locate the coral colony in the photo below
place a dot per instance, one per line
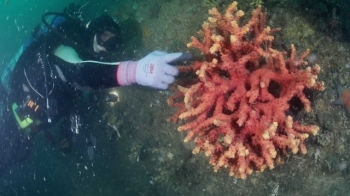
(236, 109)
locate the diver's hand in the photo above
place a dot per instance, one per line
(153, 70)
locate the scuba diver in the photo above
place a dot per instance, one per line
(62, 58)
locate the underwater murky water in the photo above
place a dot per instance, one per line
(138, 152)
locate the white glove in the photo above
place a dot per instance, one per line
(153, 70)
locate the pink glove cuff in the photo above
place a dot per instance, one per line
(126, 73)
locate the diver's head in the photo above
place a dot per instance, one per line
(106, 34)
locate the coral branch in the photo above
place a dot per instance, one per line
(236, 110)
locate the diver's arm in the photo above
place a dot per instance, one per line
(89, 76)
(84, 74)
(98, 76)
(154, 70)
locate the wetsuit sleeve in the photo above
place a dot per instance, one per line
(98, 76)
(87, 76)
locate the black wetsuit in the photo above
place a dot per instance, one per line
(63, 81)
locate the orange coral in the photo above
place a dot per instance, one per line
(236, 110)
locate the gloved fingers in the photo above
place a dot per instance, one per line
(170, 70)
(178, 56)
(167, 79)
(161, 85)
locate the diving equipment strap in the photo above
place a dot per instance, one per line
(22, 123)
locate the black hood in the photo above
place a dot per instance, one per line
(107, 32)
